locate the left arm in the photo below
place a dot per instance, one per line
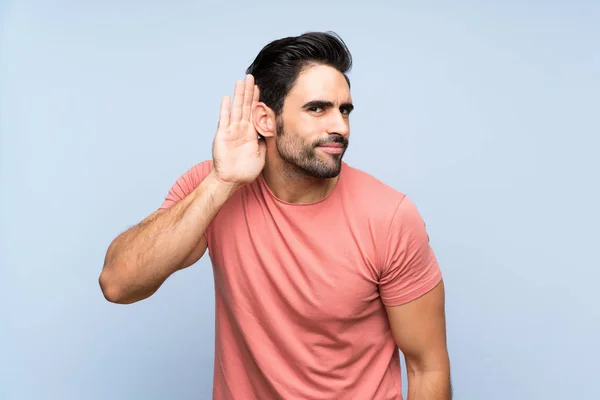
(412, 291)
(419, 328)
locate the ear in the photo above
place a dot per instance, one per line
(263, 119)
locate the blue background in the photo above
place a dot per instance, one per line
(484, 113)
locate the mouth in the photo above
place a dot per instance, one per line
(332, 148)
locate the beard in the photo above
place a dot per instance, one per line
(303, 156)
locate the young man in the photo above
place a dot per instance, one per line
(321, 271)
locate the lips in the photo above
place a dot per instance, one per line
(332, 148)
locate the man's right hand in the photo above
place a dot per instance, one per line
(238, 153)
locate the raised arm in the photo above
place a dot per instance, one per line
(140, 259)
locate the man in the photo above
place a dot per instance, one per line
(321, 271)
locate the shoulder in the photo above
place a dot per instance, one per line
(194, 175)
(381, 203)
(199, 171)
(369, 192)
(187, 182)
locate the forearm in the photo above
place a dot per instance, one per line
(429, 385)
(142, 258)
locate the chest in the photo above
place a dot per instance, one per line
(312, 264)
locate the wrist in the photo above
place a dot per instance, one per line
(219, 187)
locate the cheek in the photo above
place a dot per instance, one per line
(311, 128)
(302, 129)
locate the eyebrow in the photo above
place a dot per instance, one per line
(327, 104)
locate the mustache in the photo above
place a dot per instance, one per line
(332, 139)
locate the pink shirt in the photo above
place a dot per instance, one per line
(301, 288)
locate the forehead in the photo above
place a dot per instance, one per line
(320, 82)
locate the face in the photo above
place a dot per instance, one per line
(313, 129)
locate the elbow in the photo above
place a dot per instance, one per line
(432, 362)
(110, 288)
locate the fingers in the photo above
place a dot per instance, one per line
(248, 97)
(245, 96)
(224, 113)
(236, 107)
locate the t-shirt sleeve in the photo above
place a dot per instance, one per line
(186, 183)
(410, 268)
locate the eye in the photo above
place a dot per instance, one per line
(345, 111)
(315, 109)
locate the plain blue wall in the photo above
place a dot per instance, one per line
(486, 115)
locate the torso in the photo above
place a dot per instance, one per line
(298, 308)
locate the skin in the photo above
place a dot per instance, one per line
(139, 260)
(419, 329)
(316, 111)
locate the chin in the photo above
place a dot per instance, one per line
(319, 166)
(325, 171)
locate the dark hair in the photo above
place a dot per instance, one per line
(278, 64)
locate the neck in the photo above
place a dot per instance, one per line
(292, 185)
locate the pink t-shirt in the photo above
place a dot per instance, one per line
(301, 288)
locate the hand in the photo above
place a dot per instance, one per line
(238, 153)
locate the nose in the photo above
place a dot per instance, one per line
(339, 124)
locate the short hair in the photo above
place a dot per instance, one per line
(279, 63)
